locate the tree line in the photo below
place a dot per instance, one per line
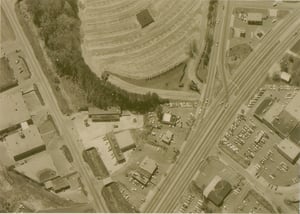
(59, 27)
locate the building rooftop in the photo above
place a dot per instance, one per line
(263, 106)
(289, 148)
(295, 135)
(13, 110)
(217, 190)
(144, 18)
(24, 141)
(38, 167)
(255, 17)
(284, 123)
(294, 107)
(167, 137)
(148, 165)
(273, 112)
(124, 140)
(115, 147)
(59, 184)
(109, 111)
(166, 117)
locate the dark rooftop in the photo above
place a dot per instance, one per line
(263, 105)
(222, 189)
(295, 135)
(144, 18)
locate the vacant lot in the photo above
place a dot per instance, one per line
(114, 199)
(174, 79)
(237, 54)
(7, 33)
(7, 77)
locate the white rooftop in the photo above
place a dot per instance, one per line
(211, 186)
(255, 17)
(273, 112)
(166, 117)
(124, 139)
(289, 148)
(13, 110)
(148, 165)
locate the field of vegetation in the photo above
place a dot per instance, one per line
(211, 22)
(7, 78)
(59, 27)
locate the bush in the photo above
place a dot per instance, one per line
(59, 27)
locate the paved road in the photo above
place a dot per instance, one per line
(76, 149)
(248, 77)
(168, 94)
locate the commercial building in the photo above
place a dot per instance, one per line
(115, 147)
(13, 111)
(145, 171)
(217, 190)
(125, 140)
(289, 150)
(24, 143)
(255, 19)
(100, 115)
(167, 137)
(277, 117)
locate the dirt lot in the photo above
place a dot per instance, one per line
(7, 33)
(174, 79)
(7, 77)
(114, 199)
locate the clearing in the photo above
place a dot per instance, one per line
(174, 79)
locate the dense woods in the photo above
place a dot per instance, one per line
(59, 27)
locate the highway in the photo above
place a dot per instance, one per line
(214, 67)
(75, 147)
(206, 134)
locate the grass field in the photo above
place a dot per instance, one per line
(168, 81)
(114, 199)
(237, 54)
(7, 77)
(7, 33)
(296, 48)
